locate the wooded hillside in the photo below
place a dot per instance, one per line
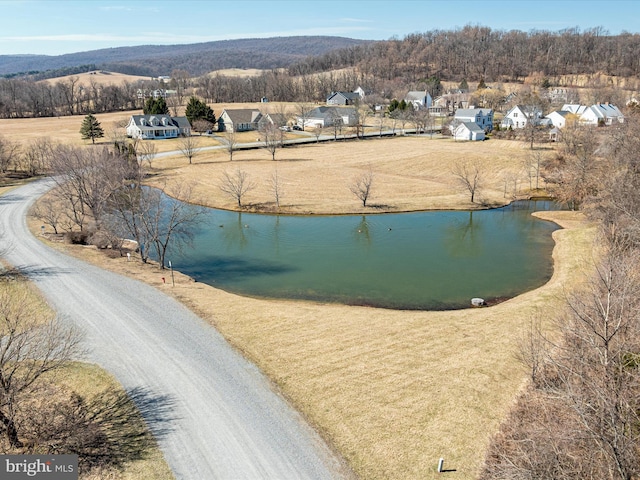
(476, 52)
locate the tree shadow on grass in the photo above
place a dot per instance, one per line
(106, 430)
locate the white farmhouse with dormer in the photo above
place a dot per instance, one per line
(156, 127)
(522, 115)
(601, 114)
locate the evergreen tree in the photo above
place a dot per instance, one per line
(91, 128)
(482, 85)
(155, 106)
(464, 86)
(434, 87)
(198, 110)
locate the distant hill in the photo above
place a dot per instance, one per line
(197, 58)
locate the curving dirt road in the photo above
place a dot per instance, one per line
(224, 421)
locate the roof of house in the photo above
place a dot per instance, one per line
(164, 122)
(416, 95)
(472, 112)
(242, 115)
(327, 112)
(605, 110)
(276, 118)
(472, 127)
(347, 95)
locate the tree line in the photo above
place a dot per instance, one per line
(579, 416)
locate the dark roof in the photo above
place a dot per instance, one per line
(243, 115)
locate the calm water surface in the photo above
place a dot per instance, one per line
(427, 260)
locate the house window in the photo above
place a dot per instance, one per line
(515, 114)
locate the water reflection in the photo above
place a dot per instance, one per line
(427, 260)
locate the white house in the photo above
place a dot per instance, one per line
(558, 118)
(605, 114)
(328, 116)
(521, 115)
(155, 127)
(419, 99)
(483, 117)
(468, 131)
(239, 120)
(574, 108)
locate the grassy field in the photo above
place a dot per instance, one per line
(392, 391)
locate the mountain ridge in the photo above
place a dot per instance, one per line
(196, 58)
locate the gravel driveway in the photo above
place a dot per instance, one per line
(225, 421)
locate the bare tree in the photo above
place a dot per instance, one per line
(36, 156)
(189, 146)
(232, 143)
(236, 185)
(302, 111)
(147, 151)
(272, 139)
(469, 176)
(86, 178)
(361, 186)
(50, 211)
(276, 186)
(154, 217)
(9, 152)
(30, 347)
(317, 131)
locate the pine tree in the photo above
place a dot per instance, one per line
(198, 110)
(91, 128)
(155, 106)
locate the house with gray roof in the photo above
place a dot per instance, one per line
(328, 116)
(239, 120)
(419, 99)
(156, 127)
(343, 98)
(522, 115)
(468, 131)
(483, 117)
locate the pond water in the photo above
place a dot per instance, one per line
(426, 261)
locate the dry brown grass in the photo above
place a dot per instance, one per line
(410, 173)
(98, 77)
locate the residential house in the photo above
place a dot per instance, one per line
(419, 99)
(239, 120)
(276, 119)
(521, 115)
(483, 117)
(343, 98)
(559, 118)
(601, 114)
(157, 93)
(574, 108)
(468, 131)
(155, 127)
(328, 116)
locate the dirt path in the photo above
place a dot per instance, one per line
(227, 422)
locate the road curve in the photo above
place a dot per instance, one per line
(225, 421)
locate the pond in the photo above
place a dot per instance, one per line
(421, 261)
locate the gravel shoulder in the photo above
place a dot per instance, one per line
(226, 420)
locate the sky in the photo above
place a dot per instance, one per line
(56, 27)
